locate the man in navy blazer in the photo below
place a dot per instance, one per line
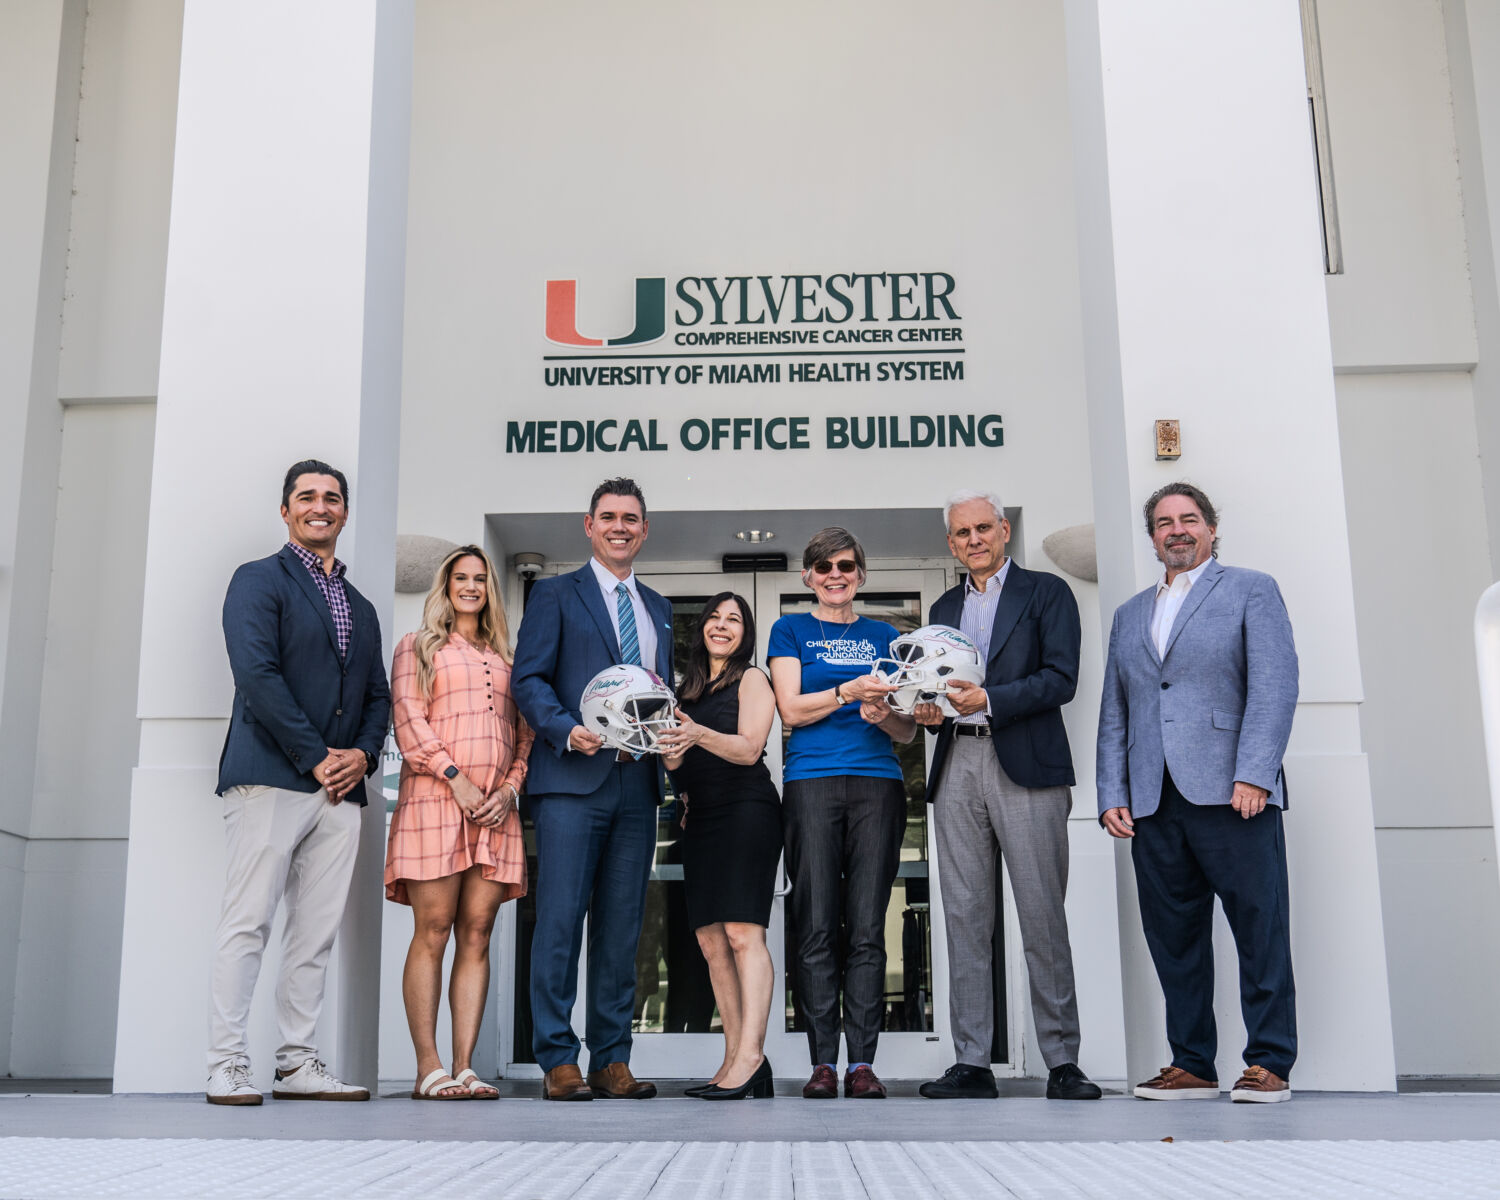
(1000, 781)
(311, 706)
(594, 809)
(1199, 692)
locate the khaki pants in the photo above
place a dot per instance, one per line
(281, 843)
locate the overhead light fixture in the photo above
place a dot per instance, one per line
(754, 536)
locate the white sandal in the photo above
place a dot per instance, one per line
(433, 1086)
(478, 1089)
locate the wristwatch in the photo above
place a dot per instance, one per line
(370, 761)
(451, 773)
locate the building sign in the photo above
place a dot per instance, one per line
(855, 327)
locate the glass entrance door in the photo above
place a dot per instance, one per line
(676, 1028)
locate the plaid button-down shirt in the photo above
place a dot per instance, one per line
(331, 584)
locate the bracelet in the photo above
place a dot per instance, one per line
(838, 696)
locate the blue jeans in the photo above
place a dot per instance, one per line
(594, 856)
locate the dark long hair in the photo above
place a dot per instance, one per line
(695, 680)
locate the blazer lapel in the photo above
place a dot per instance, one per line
(949, 609)
(1148, 611)
(1196, 595)
(660, 609)
(1014, 597)
(293, 567)
(593, 600)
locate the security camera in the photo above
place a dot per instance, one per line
(529, 566)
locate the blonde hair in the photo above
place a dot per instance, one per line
(439, 617)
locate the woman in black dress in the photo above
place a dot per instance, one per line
(731, 834)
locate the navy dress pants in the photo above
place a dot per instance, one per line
(1185, 855)
(594, 856)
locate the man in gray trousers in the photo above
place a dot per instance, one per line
(1000, 781)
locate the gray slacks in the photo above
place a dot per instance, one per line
(977, 808)
(291, 846)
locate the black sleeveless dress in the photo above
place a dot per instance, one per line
(732, 840)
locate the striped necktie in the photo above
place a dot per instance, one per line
(630, 643)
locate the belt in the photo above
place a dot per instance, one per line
(972, 730)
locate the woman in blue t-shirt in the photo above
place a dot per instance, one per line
(843, 809)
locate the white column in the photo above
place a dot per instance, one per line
(1204, 301)
(281, 340)
(1473, 33)
(41, 53)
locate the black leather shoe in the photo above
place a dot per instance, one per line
(962, 1082)
(758, 1087)
(697, 1089)
(1067, 1082)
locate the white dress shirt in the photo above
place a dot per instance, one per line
(645, 627)
(978, 622)
(1169, 598)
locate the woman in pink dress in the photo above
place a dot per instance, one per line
(455, 852)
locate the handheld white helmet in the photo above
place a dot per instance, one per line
(629, 707)
(924, 662)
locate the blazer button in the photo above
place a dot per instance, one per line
(338, 712)
(1165, 685)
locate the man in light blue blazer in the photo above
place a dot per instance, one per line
(594, 809)
(1199, 692)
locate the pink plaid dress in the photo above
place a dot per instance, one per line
(470, 721)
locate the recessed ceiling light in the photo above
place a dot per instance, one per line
(754, 536)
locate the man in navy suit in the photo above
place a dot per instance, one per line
(311, 706)
(1000, 780)
(1199, 693)
(594, 809)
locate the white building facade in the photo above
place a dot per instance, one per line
(787, 265)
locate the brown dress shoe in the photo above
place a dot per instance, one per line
(863, 1084)
(1173, 1083)
(824, 1084)
(565, 1082)
(1260, 1086)
(615, 1082)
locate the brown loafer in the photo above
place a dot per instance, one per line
(565, 1082)
(615, 1082)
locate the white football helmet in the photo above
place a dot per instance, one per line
(629, 707)
(924, 662)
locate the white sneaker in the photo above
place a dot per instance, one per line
(312, 1081)
(230, 1084)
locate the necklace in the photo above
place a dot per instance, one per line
(823, 629)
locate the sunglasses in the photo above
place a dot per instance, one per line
(846, 566)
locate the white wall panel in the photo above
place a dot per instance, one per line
(1419, 548)
(68, 965)
(1441, 896)
(88, 729)
(122, 185)
(12, 892)
(1403, 299)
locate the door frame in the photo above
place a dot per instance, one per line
(902, 1055)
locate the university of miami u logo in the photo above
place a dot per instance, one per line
(562, 314)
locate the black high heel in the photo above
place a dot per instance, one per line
(697, 1089)
(757, 1087)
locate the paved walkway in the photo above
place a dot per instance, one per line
(1320, 1144)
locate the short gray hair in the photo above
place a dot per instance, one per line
(964, 496)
